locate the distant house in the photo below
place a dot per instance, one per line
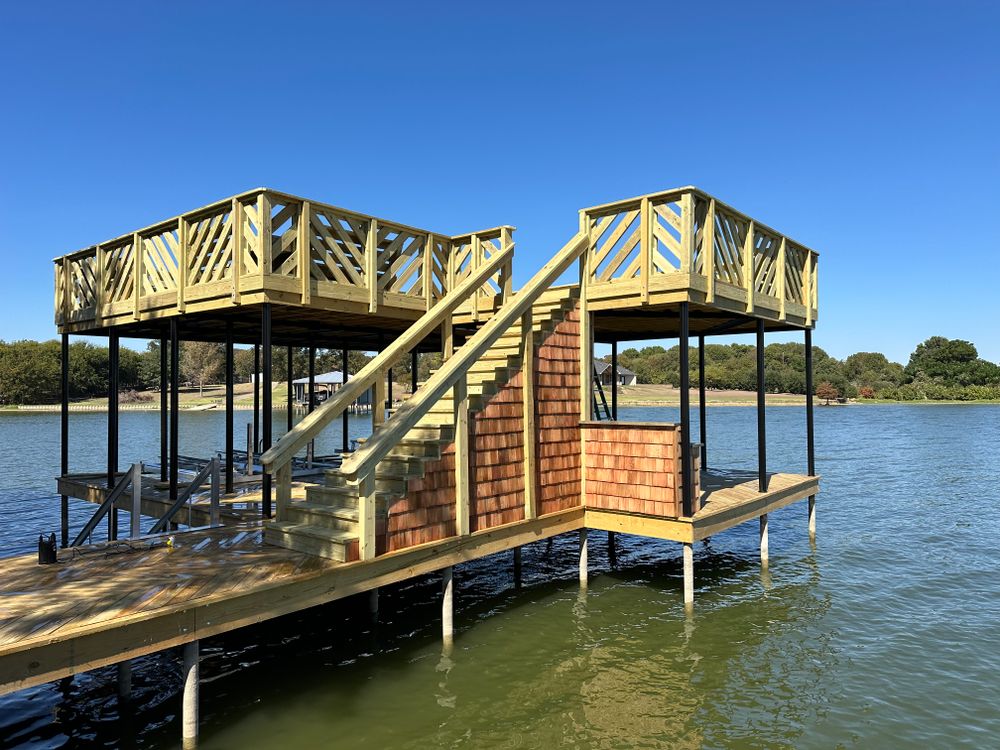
(603, 371)
(327, 383)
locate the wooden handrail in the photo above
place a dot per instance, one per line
(363, 461)
(281, 453)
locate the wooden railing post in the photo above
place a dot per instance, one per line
(687, 232)
(708, 251)
(214, 517)
(283, 490)
(462, 455)
(99, 292)
(366, 515)
(506, 281)
(474, 257)
(748, 264)
(782, 256)
(371, 265)
(264, 252)
(182, 262)
(528, 416)
(428, 272)
(136, 514)
(67, 288)
(238, 218)
(304, 240)
(645, 248)
(137, 273)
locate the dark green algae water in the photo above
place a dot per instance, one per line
(886, 633)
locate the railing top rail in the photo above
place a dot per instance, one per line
(310, 426)
(117, 491)
(491, 233)
(633, 203)
(407, 415)
(179, 503)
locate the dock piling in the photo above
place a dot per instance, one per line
(612, 549)
(189, 697)
(763, 539)
(124, 681)
(64, 439)
(583, 557)
(447, 605)
(517, 567)
(373, 603)
(688, 574)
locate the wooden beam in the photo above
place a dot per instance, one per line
(645, 248)
(137, 260)
(371, 265)
(782, 251)
(304, 240)
(748, 257)
(708, 252)
(687, 232)
(238, 217)
(463, 468)
(366, 516)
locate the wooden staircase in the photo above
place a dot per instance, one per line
(326, 524)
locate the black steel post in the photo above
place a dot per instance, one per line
(256, 397)
(614, 380)
(289, 398)
(64, 438)
(230, 382)
(175, 384)
(761, 426)
(312, 377)
(702, 409)
(345, 358)
(265, 344)
(413, 371)
(687, 466)
(113, 387)
(164, 409)
(388, 390)
(810, 436)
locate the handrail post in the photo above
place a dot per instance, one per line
(528, 416)
(462, 456)
(238, 218)
(782, 254)
(214, 515)
(748, 264)
(182, 262)
(687, 232)
(134, 530)
(371, 264)
(427, 269)
(474, 257)
(283, 490)
(99, 293)
(305, 252)
(264, 236)
(708, 251)
(645, 248)
(506, 280)
(367, 500)
(137, 273)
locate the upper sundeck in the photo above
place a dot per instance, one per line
(358, 277)
(268, 246)
(649, 252)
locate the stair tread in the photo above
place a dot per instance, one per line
(308, 529)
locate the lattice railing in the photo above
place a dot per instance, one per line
(313, 249)
(646, 243)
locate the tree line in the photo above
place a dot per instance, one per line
(939, 368)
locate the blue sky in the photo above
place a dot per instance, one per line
(867, 131)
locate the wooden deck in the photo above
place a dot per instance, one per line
(104, 604)
(728, 498)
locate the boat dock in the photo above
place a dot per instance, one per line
(509, 441)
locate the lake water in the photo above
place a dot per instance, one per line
(885, 634)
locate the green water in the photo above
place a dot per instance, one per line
(886, 633)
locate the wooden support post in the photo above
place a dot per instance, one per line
(517, 567)
(462, 456)
(175, 380)
(763, 539)
(124, 681)
(708, 252)
(230, 406)
(761, 421)
(373, 603)
(289, 396)
(182, 264)
(238, 219)
(283, 490)
(528, 407)
(266, 417)
(345, 358)
(583, 557)
(702, 406)
(687, 465)
(64, 438)
(138, 274)
(687, 232)
(388, 390)
(304, 240)
(164, 409)
(371, 265)
(135, 516)
(645, 248)
(447, 340)
(378, 400)
(366, 516)
(214, 518)
(474, 262)
(688, 574)
(748, 265)
(614, 381)
(782, 263)
(810, 436)
(506, 273)
(447, 605)
(586, 358)
(265, 256)
(113, 387)
(189, 695)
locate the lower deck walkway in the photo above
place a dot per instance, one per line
(108, 603)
